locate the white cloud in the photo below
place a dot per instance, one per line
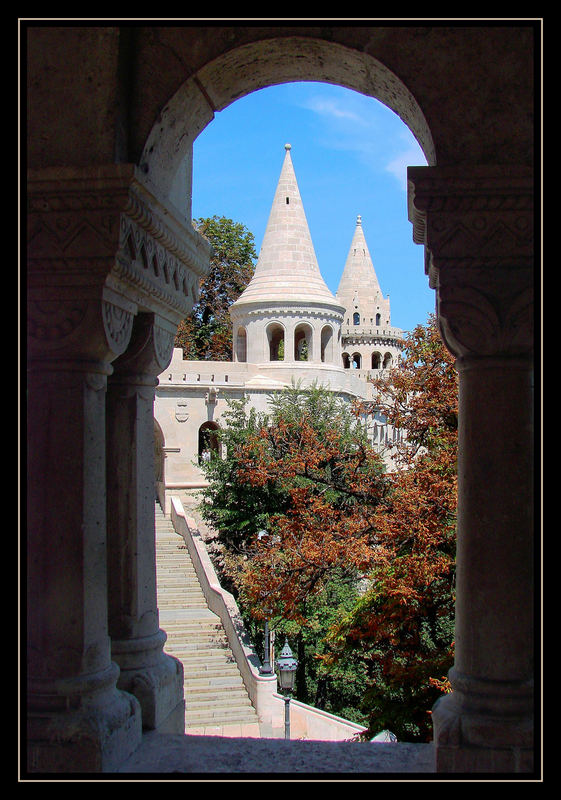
(365, 127)
(332, 108)
(410, 156)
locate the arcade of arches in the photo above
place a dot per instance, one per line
(114, 265)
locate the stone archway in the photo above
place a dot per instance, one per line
(255, 66)
(109, 174)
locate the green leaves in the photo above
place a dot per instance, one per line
(207, 333)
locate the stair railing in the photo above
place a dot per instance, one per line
(260, 688)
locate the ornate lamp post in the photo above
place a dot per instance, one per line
(286, 666)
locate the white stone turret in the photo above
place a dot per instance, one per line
(368, 340)
(287, 314)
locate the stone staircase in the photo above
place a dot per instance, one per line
(216, 700)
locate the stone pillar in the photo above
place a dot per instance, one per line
(289, 339)
(477, 232)
(77, 719)
(315, 349)
(156, 679)
(101, 248)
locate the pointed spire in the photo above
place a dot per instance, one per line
(287, 267)
(359, 276)
(359, 291)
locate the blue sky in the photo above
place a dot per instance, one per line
(350, 155)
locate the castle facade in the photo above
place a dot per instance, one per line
(288, 327)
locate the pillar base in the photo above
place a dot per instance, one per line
(154, 678)
(95, 738)
(470, 740)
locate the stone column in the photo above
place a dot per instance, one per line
(101, 249)
(477, 231)
(155, 678)
(315, 354)
(289, 326)
(77, 719)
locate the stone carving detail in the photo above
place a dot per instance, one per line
(52, 321)
(477, 230)
(475, 323)
(152, 269)
(163, 345)
(181, 412)
(117, 323)
(107, 229)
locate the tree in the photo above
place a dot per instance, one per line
(303, 506)
(207, 333)
(306, 476)
(402, 627)
(291, 504)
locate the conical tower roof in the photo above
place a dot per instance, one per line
(359, 284)
(287, 269)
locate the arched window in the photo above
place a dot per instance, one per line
(378, 319)
(241, 345)
(302, 343)
(387, 360)
(327, 344)
(209, 445)
(376, 360)
(346, 361)
(275, 336)
(356, 361)
(356, 318)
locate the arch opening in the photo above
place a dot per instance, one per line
(240, 349)
(167, 151)
(303, 342)
(275, 338)
(327, 344)
(209, 444)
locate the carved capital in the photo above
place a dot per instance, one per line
(87, 329)
(150, 350)
(477, 229)
(100, 244)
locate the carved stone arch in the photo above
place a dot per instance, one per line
(240, 344)
(255, 66)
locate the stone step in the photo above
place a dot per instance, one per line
(218, 682)
(195, 718)
(212, 699)
(215, 694)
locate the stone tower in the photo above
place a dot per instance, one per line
(368, 340)
(287, 315)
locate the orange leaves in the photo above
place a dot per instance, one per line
(332, 482)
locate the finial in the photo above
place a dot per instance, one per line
(288, 147)
(359, 220)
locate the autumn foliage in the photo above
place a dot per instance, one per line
(303, 496)
(402, 627)
(312, 461)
